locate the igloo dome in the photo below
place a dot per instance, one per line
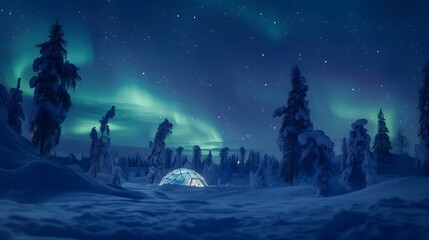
(184, 176)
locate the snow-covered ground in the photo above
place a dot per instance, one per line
(397, 209)
(41, 200)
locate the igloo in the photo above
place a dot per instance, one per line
(184, 176)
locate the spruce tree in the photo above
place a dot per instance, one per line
(296, 120)
(196, 158)
(360, 168)
(423, 133)
(55, 75)
(100, 146)
(318, 153)
(156, 151)
(382, 144)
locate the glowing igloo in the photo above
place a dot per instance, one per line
(184, 176)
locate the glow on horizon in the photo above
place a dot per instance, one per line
(346, 111)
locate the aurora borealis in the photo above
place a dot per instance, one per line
(218, 69)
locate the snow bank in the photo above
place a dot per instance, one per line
(26, 176)
(40, 179)
(14, 149)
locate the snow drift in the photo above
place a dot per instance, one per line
(27, 176)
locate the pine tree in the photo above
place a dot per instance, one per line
(360, 167)
(318, 152)
(344, 155)
(296, 120)
(55, 75)
(423, 133)
(100, 146)
(196, 158)
(157, 148)
(382, 144)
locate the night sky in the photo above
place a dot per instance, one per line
(218, 69)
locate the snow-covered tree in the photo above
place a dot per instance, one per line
(316, 158)
(223, 157)
(116, 173)
(382, 144)
(296, 120)
(177, 162)
(224, 166)
(232, 165)
(210, 170)
(208, 160)
(100, 146)
(423, 134)
(156, 151)
(55, 75)
(267, 174)
(12, 101)
(360, 166)
(196, 158)
(125, 164)
(344, 155)
(252, 162)
(401, 143)
(369, 167)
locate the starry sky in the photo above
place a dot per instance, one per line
(218, 69)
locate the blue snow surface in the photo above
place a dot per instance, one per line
(42, 200)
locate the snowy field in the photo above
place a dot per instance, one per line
(41, 200)
(396, 209)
